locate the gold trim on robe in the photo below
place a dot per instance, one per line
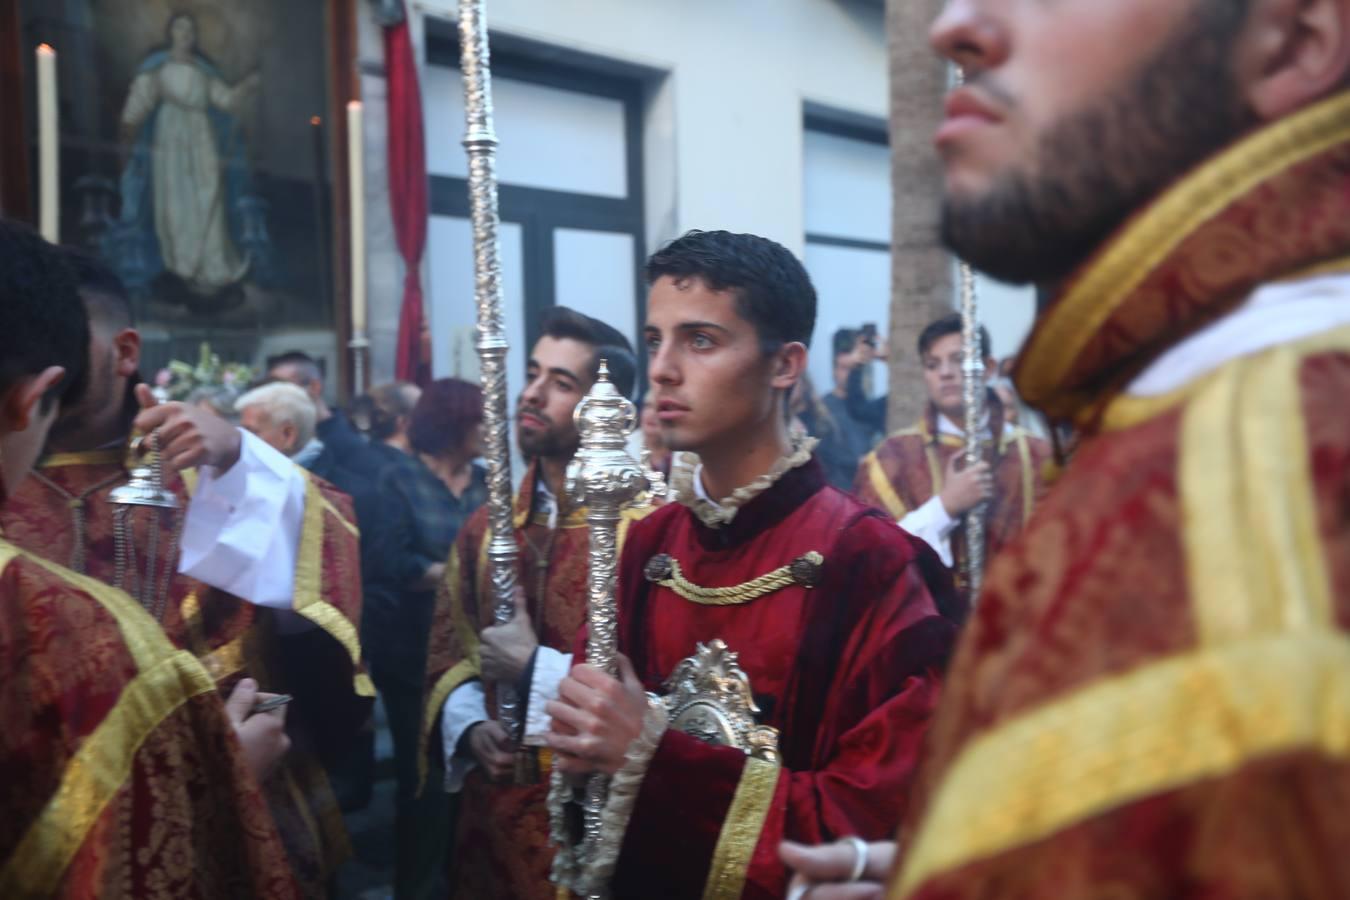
(740, 832)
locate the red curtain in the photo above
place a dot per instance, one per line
(407, 194)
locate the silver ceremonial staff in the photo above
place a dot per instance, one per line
(604, 478)
(973, 398)
(480, 143)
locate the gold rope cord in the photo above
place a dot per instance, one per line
(803, 571)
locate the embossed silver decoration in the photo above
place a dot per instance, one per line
(604, 478)
(657, 489)
(480, 143)
(976, 414)
(708, 697)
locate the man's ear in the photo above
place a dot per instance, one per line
(126, 347)
(291, 436)
(789, 363)
(1292, 53)
(22, 399)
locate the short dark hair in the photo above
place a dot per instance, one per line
(42, 321)
(310, 368)
(444, 413)
(949, 324)
(562, 323)
(387, 402)
(105, 296)
(845, 339)
(772, 289)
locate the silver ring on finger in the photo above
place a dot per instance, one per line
(860, 857)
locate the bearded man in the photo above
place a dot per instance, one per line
(1151, 699)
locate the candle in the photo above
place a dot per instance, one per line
(49, 205)
(356, 173)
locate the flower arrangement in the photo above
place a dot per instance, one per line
(179, 380)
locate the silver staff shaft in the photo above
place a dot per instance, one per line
(480, 143)
(603, 478)
(973, 398)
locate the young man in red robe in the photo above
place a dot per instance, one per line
(833, 621)
(256, 572)
(501, 849)
(1151, 700)
(124, 775)
(917, 475)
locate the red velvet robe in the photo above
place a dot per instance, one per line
(848, 671)
(908, 468)
(502, 847)
(122, 775)
(1153, 697)
(232, 637)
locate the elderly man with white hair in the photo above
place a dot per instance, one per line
(284, 416)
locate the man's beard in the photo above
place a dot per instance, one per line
(1096, 168)
(551, 443)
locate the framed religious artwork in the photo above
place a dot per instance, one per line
(202, 155)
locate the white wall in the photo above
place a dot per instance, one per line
(730, 112)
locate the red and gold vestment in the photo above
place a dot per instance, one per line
(231, 637)
(1152, 697)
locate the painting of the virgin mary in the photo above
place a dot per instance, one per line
(186, 181)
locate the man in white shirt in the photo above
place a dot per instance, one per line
(916, 475)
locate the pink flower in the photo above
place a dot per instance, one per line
(228, 377)
(163, 377)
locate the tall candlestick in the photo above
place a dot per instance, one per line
(49, 202)
(356, 178)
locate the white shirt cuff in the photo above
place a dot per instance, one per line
(932, 524)
(464, 708)
(550, 668)
(242, 530)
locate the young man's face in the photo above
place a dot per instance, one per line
(942, 375)
(556, 378)
(712, 383)
(1074, 114)
(943, 378)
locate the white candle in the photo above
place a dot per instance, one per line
(356, 178)
(49, 201)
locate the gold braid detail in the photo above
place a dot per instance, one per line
(664, 570)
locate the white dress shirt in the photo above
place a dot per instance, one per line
(931, 522)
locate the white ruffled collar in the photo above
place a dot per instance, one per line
(686, 480)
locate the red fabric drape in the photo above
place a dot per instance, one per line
(407, 195)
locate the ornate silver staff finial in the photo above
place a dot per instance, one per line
(604, 478)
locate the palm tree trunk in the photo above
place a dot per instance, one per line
(921, 270)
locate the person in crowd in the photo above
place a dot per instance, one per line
(92, 807)
(391, 414)
(501, 846)
(423, 504)
(340, 454)
(283, 416)
(281, 611)
(1151, 697)
(918, 475)
(818, 613)
(853, 437)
